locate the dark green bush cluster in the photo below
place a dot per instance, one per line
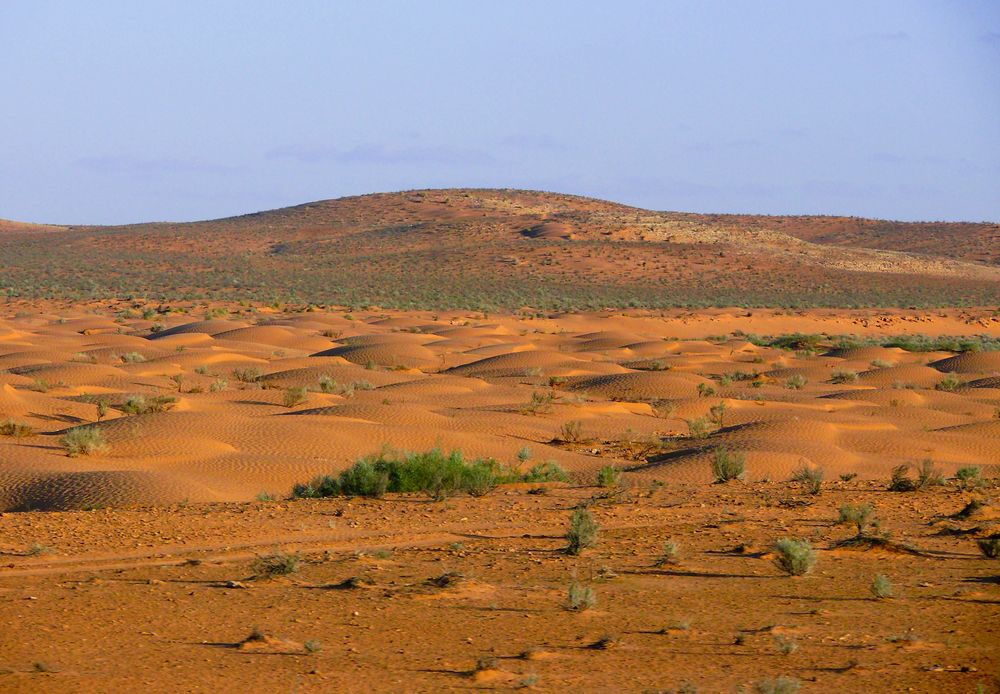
(433, 472)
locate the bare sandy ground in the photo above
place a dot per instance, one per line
(115, 566)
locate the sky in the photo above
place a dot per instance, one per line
(114, 112)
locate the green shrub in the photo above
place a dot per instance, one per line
(318, 488)
(364, 478)
(779, 685)
(669, 555)
(705, 390)
(927, 476)
(969, 477)
(133, 358)
(881, 587)
(727, 465)
(248, 375)
(580, 597)
(608, 476)
(795, 382)
(83, 441)
(545, 472)
(582, 532)
(571, 431)
(698, 428)
(294, 397)
(138, 404)
(794, 557)
(18, 430)
(950, 383)
(479, 478)
(860, 516)
(809, 477)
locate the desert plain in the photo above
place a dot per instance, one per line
(177, 511)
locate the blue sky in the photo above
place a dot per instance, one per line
(118, 112)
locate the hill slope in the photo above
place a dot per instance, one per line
(492, 249)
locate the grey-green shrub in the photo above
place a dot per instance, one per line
(794, 557)
(881, 587)
(727, 465)
(582, 532)
(83, 441)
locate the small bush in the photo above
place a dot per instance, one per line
(609, 476)
(881, 587)
(900, 481)
(795, 382)
(843, 376)
(133, 358)
(989, 546)
(969, 477)
(698, 428)
(860, 516)
(571, 431)
(670, 555)
(248, 375)
(794, 557)
(138, 404)
(848, 476)
(18, 430)
(83, 441)
(949, 383)
(364, 478)
(276, 564)
(717, 413)
(318, 488)
(480, 478)
(928, 475)
(705, 390)
(664, 409)
(294, 397)
(582, 532)
(218, 385)
(545, 472)
(809, 477)
(540, 403)
(727, 465)
(580, 597)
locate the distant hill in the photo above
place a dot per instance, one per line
(506, 249)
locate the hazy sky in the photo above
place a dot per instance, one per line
(130, 111)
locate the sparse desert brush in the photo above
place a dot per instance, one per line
(669, 555)
(950, 383)
(636, 447)
(664, 409)
(83, 441)
(132, 358)
(609, 476)
(248, 375)
(580, 597)
(39, 386)
(881, 364)
(717, 413)
(318, 488)
(698, 428)
(843, 376)
(705, 390)
(794, 557)
(795, 382)
(860, 516)
(545, 472)
(727, 465)
(582, 532)
(278, 563)
(989, 546)
(811, 478)
(294, 397)
(779, 685)
(218, 385)
(138, 404)
(881, 587)
(571, 431)
(969, 477)
(17, 430)
(540, 403)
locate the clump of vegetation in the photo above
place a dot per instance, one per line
(664, 409)
(670, 554)
(248, 375)
(717, 413)
(138, 404)
(540, 403)
(571, 431)
(277, 563)
(218, 385)
(580, 597)
(545, 472)
(83, 441)
(727, 465)
(582, 532)
(132, 358)
(17, 430)
(881, 587)
(432, 472)
(698, 428)
(705, 390)
(811, 478)
(794, 557)
(795, 382)
(927, 476)
(950, 383)
(295, 396)
(969, 477)
(861, 516)
(609, 476)
(843, 376)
